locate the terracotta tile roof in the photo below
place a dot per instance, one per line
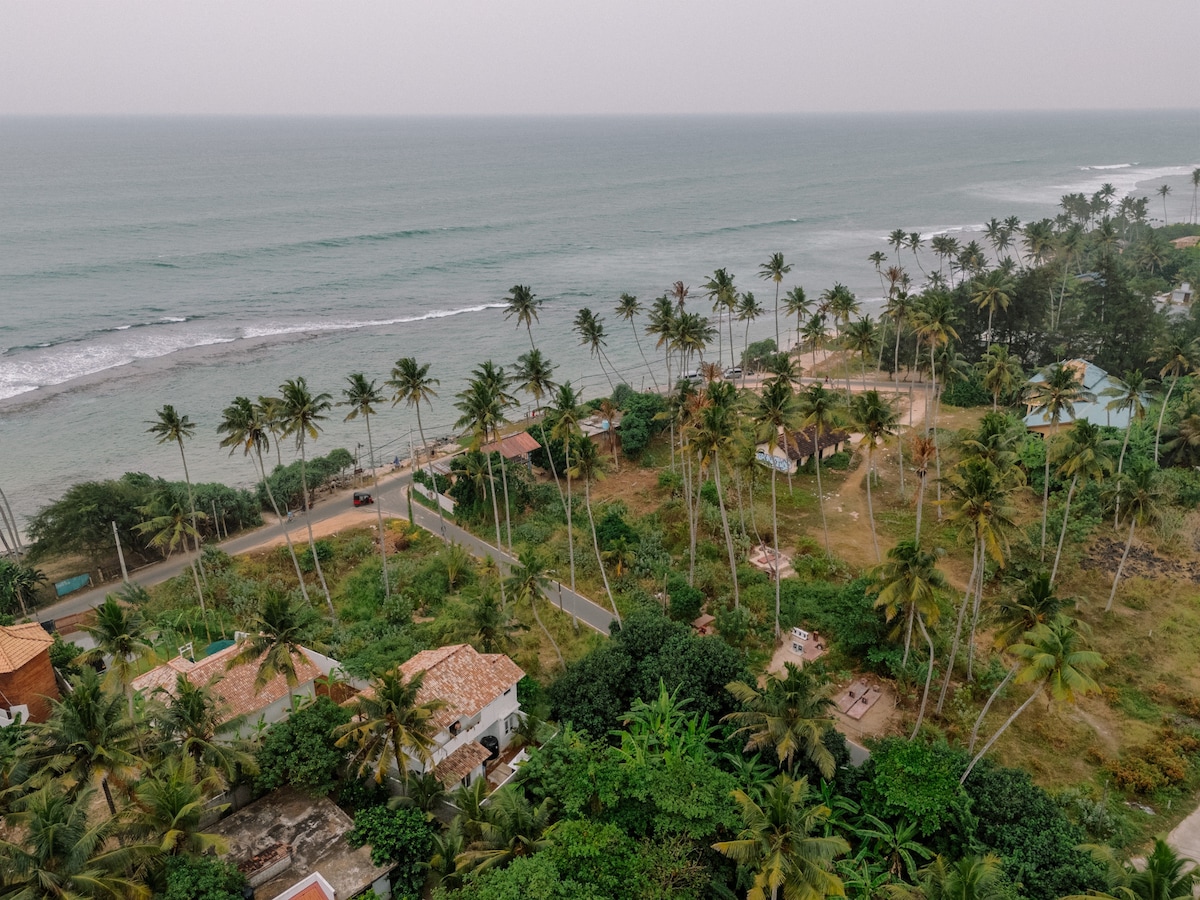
(461, 763)
(235, 687)
(21, 643)
(513, 446)
(313, 891)
(465, 678)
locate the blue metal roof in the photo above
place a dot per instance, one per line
(1093, 379)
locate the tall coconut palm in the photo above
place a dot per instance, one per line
(814, 334)
(934, 320)
(62, 856)
(772, 412)
(898, 239)
(992, 292)
(773, 270)
(302, 415)
(523, 303)
(566, 426)
(789, 714)
(877, 259)
(590, 328)
(1054, 392)
(796, 303)
(862, 337)
(392, 725)
(362, 397)
(1178, 359)
(1053, 658)
(1002, 373)
(278, 633)
(781, 843)
(168, 526)
(245, 424)
(820, 409)
(721, 291)
(494, 382)
(1195, 188)
(628, 308)
(412, 383)
(679, 292)
(1143, 493)
(271, 411)
(480, 410)
(170, 426)
(1082, 454)
(876, 418)
(122, 639)
(1163, 191)
(528, 581)
(660, 324)
(922, 456)
(589, 466)
(749, 309)
(716, 424)
(906, 586)
(534, 374)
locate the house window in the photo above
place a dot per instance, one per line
(508, 725)
(509, 691)
(455, 728)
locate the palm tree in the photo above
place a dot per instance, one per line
(392, 724)
(773, 270)
(511, 827)
(862, 337)
(1142, 488)
(1054, 658)
(820, 409)
(934, 322)
(1054, 392)
(246, 425)
(748, 310)
(789, 714)
(589, 465)
(168, 527)
(20, 582)
(876, 417)
(628, 309)
(412, 383)
(61, 856)
(898, 239)
(721, 291)
(122, 639)
(479, 404)
(797, 304)
(301, 415)
(88, 739)
(528, 581)
(780, 842)
(992, 292)
(171, 426)
(922, 456)
(522, 303)
(877, 259)
(896, 845)
(534, 373)
(661, 325)
(195, 723)
(1163, 191)
(969, 878)
(774, 411)
(1178, 359)
(169, 804)
(1082, 454)
(590, 328)
(1195, 187)
(1001, 372)
(491, 625)
(906, 584)
(1163, 875)
(566, 407)
(713, 437)
(277, 633)
(1036, 604)
(679, 291)
(362, 396)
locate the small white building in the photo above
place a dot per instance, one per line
(481, 711)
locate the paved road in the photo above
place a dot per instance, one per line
(391, 497)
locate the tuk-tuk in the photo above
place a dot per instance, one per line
(362, 498)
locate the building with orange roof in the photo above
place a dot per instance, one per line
(234, 684)
(27, 683)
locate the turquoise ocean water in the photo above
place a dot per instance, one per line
(186, 261)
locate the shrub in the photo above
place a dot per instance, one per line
(400, 838)
(202, 878)
(300, 750)
(686, 600)
(324, 554)
(967, 392)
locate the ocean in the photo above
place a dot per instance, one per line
(187, 261)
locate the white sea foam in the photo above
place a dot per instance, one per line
(271, 330)
(1125, 178)
(1114, 166)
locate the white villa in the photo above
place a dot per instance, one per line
(1093, 379)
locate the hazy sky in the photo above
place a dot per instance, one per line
(581, 56)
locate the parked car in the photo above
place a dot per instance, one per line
(694, 377)
(362, 498)
(733, 372)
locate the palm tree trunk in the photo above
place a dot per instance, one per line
(192, 503)
(507, 506)
(642, 353)
(1121, 565)
(1063, 534)
(928, 677)
(587, 502)
(908, 630)
(199, 593)
(870, 505)
(937, 449)
(108, 797)
(387, 588)
(777, 347)
(725, 527)
(1120, 466)
(553, 643)
(975, 611)
(775, 539)
(312, 543)
(1045, 495)
(962, 612)
(821, 492)
(991, 312)
(1161, 414)
(495, 505)
(920, 503)
(983, 713)
(286, 532)
(553, 470)
(988, 746)
(437, 495)
(570, 529)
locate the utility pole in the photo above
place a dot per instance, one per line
(120, 554)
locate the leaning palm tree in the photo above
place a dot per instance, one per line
(1054, 392)
(715, 426)
(1178, 359)
(628, 308)
(566, 426)
(277, 634)
(660, 324)
(245, 424)
(301, 415)
(412, 383)
(877, 419)
(362, 397)
(774, 411)
(934, 320)
(523, 303)
(590, 328)
(392, 726)
(528, 581)
(789, 714)
(1053, 658)
(906, 586)
(63, 856)
(122, 639)
(534, 374)
(773, 270)
(1082, 454)
(721, 290)
(1129, 395)
(820, 410)
(1143, 493)
(781, 843)
(171, 426)
(589, 466)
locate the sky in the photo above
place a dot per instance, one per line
(553, 57)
